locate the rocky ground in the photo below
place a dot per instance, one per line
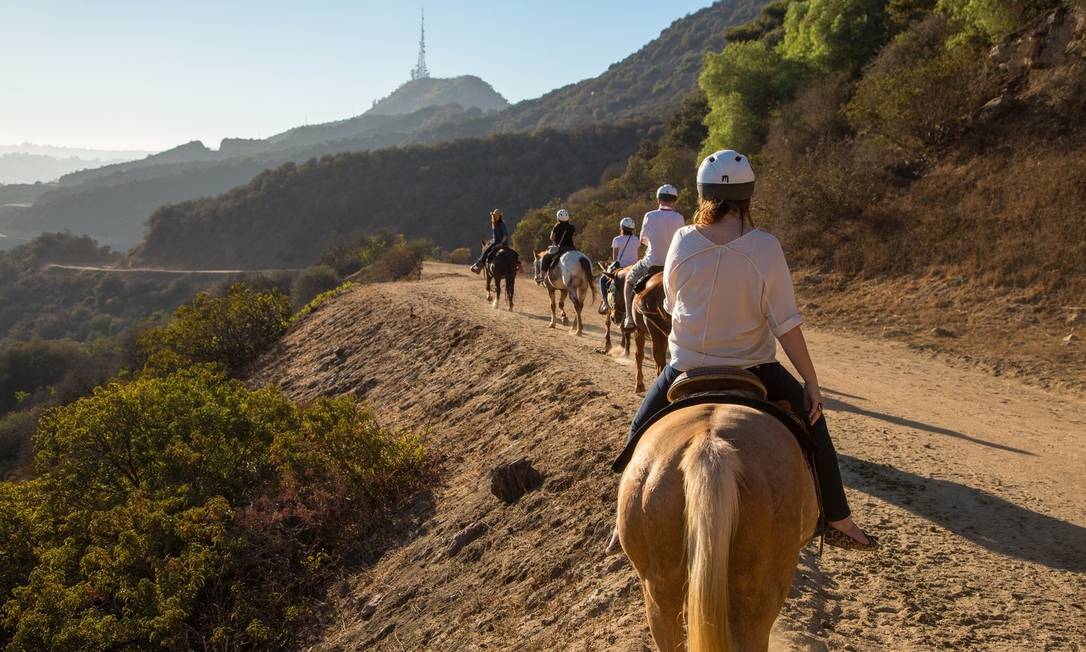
(973, 481)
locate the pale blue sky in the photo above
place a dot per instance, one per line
(150, 74)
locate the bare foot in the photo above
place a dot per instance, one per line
(849, 527)
(614, 545)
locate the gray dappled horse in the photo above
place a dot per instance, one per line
(571, 274)
(503, 265)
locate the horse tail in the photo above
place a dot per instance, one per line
(587, 267)
(711, 483)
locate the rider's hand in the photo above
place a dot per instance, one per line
(812, 402)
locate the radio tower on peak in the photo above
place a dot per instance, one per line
(421, 71)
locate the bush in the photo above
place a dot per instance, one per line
(920, 92)
(744, 84)
(401, 260)
(835, 34)
(230, 330)
(16, 431)
(459, 256)
(186, 512)
(994, 19)
(311, 282)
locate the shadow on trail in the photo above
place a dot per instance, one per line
(987, 520)
(834, 404)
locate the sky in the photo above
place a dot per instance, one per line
(152, 74)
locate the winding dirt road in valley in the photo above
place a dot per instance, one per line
(974, 483)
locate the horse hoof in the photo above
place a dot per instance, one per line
(640, 389)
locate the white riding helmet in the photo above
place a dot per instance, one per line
(726, 175)
(628, 223)
(562, 215)
(667, 191)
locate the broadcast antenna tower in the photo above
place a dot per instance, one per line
(420, 71)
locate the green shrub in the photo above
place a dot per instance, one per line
(400, 260)
(994, 19)
(322, 298)
(459, 256)
(186, 512)
(229, 330)
(835, 34)
(919, 91)
(16, 431)
(311, 282)
(744, 84)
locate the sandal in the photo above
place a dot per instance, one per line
(838, 539)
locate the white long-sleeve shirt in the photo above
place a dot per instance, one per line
(728, 302)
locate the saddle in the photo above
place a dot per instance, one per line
(729, 386)
(715, 379)
(655, 272)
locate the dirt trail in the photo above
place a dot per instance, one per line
(162, 270)
(974, 483)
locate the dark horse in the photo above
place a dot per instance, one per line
(503, 265)
(651, 321)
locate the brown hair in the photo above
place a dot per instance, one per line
(710, 211)
(495, 216)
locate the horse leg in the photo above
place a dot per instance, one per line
(650, 527)
(659, 346)
(562, 306)
(486, 275)
(510, 280)
(497, 292)
(607, 332)
(576, 297)
(663, 607)
(554, 317)
(639, 358)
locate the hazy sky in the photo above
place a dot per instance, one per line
(151, 74)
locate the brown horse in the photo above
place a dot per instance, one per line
(713, 510)
(650, 320)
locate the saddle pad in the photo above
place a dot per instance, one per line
(794, 425)
(715, 379)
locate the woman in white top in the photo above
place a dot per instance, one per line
(624, 252)
(729, 291)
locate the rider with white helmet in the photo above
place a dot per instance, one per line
(729, 291)
(561, 242)
(624, 248)
(657, 229)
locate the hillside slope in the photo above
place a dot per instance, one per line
(648, 84)
(288, 216)
(970, 480)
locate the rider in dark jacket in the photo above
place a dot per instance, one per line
(499, 238)
(561, 241)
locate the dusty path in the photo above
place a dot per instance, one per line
(975, 484)
(161, 270)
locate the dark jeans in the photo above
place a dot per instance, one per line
(780, 385)
(490, 248)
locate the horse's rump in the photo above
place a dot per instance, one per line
(714, 507)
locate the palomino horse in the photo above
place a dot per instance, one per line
(571, 274)
(503, 265)
(650, 319)
(714, 508)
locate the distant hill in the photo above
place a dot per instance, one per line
(648, 84)
(288, 216)
(467, 91)
(112, 203)
(30, 164)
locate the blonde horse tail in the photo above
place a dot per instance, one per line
(711, 483)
